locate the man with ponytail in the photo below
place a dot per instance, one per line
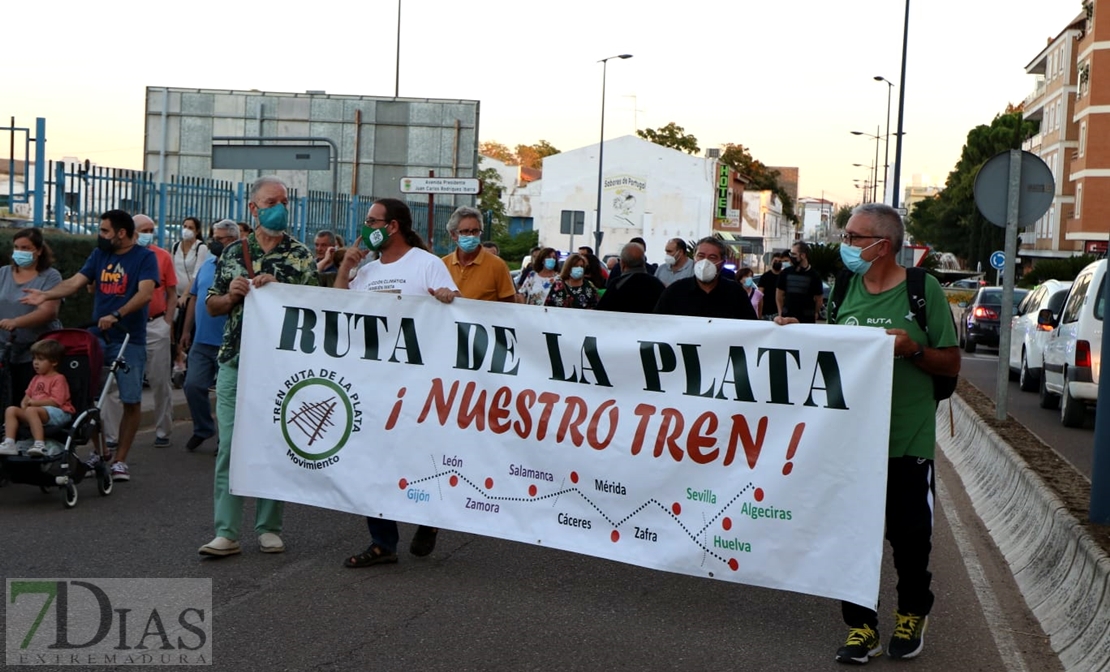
(404, 266)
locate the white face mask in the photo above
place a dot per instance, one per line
(187, 234)
(705, 270)
(669, 260)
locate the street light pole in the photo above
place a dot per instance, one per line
(601, 151)
(886, 151)
(901, 108)
(874, 166)
(397, 73)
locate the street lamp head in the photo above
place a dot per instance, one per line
(625, 56)
(858, 133)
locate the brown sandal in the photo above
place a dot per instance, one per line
(374, 555)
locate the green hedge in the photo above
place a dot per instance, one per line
(70, 252)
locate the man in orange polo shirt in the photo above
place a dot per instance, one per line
(159, 328)
(477, 272)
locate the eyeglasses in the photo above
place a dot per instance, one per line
(850, 238)
(370, 221)
(470, 232)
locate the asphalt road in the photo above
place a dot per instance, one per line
(1076, 445)
(484, 604)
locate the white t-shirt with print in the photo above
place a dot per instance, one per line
(415, 273)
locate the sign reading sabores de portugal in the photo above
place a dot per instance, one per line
(440, 185)
(734, 450)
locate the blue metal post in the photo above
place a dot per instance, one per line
(40, 171)
(59, 194)
(1100, 468)
(240, 198)
(162, 215)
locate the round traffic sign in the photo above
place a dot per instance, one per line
(998, 260)
(1034, 194)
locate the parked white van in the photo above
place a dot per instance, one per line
(1072, 354)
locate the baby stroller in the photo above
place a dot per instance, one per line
(81, 365)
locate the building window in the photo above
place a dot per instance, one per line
(1084, 77)
(1078, 201)
(1082, 137)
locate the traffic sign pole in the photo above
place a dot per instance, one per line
(1013, 204)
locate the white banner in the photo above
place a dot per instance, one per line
(734, 450)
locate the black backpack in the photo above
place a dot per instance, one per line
(943, 386)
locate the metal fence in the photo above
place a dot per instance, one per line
(77, 194)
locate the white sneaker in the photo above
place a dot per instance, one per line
(270, 543)
(37, 450)
(8, 448)
(120, 472)
(219, 547)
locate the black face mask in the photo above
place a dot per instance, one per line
(795, 260)
(105, 245)
(777, 266)
(216, 248)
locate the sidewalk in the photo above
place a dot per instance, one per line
(177, 400)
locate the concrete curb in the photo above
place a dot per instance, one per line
(1062, 573)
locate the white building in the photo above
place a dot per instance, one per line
(763, 219)
(650, 191)
(818, 219)
(520, 193)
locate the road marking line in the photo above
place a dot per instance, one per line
(992, 612)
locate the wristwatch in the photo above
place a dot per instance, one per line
(115, 314)
(918, 355)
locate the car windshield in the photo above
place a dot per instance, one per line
(1056, 301)
(993, 297)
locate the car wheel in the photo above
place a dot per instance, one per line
(1026, 380)
(969, 345)
(1048, 400)
(1071, 411)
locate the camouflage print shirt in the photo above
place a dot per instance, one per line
(290, 262)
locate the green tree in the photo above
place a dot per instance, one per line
(825, 259)
(532, 156)
(761, 177)
(673, 136)
(843, 214)
(951, 222)
(489, 201)
(496, 150)
(513, 248)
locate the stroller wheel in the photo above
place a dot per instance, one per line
(71, 495)
(103, 480)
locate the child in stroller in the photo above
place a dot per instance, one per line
(81, 366)
(46, 403)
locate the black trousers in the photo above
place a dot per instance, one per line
(910, 499)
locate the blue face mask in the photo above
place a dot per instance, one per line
(853, 257)
(274, 218)
(145, 239)
(549, 264)
(469, 243)
(749, 283)
(23, 258)
(577, 272)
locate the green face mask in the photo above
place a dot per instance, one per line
(374, 238)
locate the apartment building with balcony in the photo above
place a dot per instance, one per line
(1053, 104)
(1089, 224)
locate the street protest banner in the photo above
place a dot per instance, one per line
(736, 450)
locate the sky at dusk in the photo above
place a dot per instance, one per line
(789, 80)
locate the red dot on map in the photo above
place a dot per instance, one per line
(532, 490)
(677, 508)
(726, 524)
(574, 477)
(615, 536)
(733, 565)
(403, 484)
(759, 494)
(787, 468)
(454, 480)
(489, 483)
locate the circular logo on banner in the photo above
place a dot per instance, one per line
(317, 417)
